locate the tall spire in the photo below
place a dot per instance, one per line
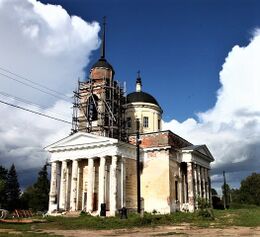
(138, 82)
(103, 46)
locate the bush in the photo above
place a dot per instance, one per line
(204, 209)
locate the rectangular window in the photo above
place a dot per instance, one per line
(146, 122)
(159, 124)
(128, 122)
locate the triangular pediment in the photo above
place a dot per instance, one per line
(80, 139)
(203, 149)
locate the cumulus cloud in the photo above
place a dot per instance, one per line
(231, 129)
(44, 43)
(48, 46)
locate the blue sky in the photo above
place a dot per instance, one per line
(179, 46)
(183, 49)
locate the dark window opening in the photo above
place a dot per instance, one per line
(128, 122)
(92, 108)
(176, 191)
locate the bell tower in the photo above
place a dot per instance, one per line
(98, 101)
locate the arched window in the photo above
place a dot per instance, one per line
(92, 108)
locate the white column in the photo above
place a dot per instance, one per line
(74, 181)
(203, 182)
(190, 187)
(101, 182)
(123, 182)
(199, 183)
(207, 184)
(90, 194)
(180, 187)
(79, 187)
(53, 187)
(63, 185)
(113, 185)
(184, 180)
(195, 184)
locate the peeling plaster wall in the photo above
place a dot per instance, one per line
(131, 184)
(155, 188)
(174, 177)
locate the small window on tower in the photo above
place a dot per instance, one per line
(159, 124)
(128, 122)
(146, 122)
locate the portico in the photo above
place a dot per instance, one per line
(89, 170)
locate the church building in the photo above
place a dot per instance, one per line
(95, 166)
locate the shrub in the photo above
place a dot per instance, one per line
(204, 209)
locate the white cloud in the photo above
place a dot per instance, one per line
(44, 43)
(231, 128)
(47, 45)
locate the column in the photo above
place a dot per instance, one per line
(113, 185)
(53, 187)
(203, 182)
(199, 181)
(180, 187)
(90, 194)
(79, 187)
(63, 185)
(195, 185)
(207, 184)
(184, 187)
(123, 182)
(68, 185)
(101, 182)
(190, 186)
(74, 181)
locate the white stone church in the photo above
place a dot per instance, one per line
(96, 163)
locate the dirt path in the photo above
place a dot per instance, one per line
(163, 231)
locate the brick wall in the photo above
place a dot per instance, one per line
(160, 139)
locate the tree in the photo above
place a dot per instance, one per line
(36, 197)
(250, 190)
(214, 192)
(12, 189)
(3, 180)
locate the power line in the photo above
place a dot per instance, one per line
(35, 112)
(21, 100)
(36, 88)
(28, 102)
(35, 83)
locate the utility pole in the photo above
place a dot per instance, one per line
(138, 166)
(224, 191)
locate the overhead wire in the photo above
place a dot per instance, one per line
(35, 83)
(28, 102)
(35, 112)
(34, 87)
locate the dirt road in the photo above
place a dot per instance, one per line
(163, 231)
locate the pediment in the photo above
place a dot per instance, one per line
(205, 151)
(80, 139)
(201, 149)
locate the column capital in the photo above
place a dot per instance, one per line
(114, 160)
(103, 160)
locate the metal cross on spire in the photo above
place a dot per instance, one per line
(138, 74)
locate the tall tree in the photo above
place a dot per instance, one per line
(3, 180)
(250, 189)
(37, 196)
(42, 188)
(12, 189)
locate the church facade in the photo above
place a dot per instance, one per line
(95, 165)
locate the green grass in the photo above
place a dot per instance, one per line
(249, 217)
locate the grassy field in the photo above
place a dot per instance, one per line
(249, 217)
